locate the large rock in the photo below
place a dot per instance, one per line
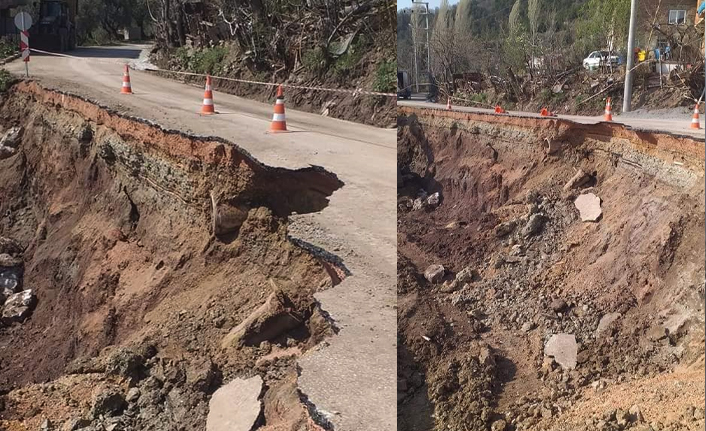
(435, 273)
(605, 323)
(109, 402)
(18, 307)
(563, 348)
(235, 406)
(589, 206)
(465, 275)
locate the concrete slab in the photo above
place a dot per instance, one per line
(235, 406)
(589, 206)
(563, 348)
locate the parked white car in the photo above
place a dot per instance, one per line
(598, 58)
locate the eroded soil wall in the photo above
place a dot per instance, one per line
(146, 248)
(521, 267)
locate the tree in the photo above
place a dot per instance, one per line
(534, 21)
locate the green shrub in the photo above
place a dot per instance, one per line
(314, 60)
(386, 77)
(207, 60)
(5, 80)
(8, 48)
(350, 59)
(480, 98)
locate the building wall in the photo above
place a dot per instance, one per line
(657, 12)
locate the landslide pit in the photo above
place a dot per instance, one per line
(521, 267)
(159, 267)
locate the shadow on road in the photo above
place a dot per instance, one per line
(103, 52)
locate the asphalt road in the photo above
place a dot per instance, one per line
(352, 379)
(678, 126)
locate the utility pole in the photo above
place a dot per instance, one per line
(416, 67)
(627, 94)
(417, 5)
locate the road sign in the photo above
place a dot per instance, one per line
(23, 21)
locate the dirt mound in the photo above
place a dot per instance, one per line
(624, 294)
(145, 248)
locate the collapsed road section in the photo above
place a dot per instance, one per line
(550, 275)
(147, 275)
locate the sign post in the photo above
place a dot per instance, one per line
(23, 21)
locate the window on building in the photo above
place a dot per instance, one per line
(677, 16)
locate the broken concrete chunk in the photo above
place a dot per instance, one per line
(534, 225)
(577, 180)
(235, 406)
(433, 200)
(589, 206)
(18, 307)
(435, 273)
(605, 322)
(564, 350)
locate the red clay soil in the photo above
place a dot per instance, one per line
(472, 352)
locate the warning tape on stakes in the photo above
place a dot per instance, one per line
(355, 92)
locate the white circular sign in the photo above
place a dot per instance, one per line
(23, 21)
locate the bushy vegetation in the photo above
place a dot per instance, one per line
(6, 80)
(386, 77)
(8, 48)
(208, 60)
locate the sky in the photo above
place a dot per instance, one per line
(401, 4)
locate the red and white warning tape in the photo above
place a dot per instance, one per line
(24, 45)
(355, 92)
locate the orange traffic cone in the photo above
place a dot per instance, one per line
(448, 104)
(279, 122)
(127, 88)
(608, 115)
(500, 110)
(546, 113)
(208, 108)
(695, 119)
